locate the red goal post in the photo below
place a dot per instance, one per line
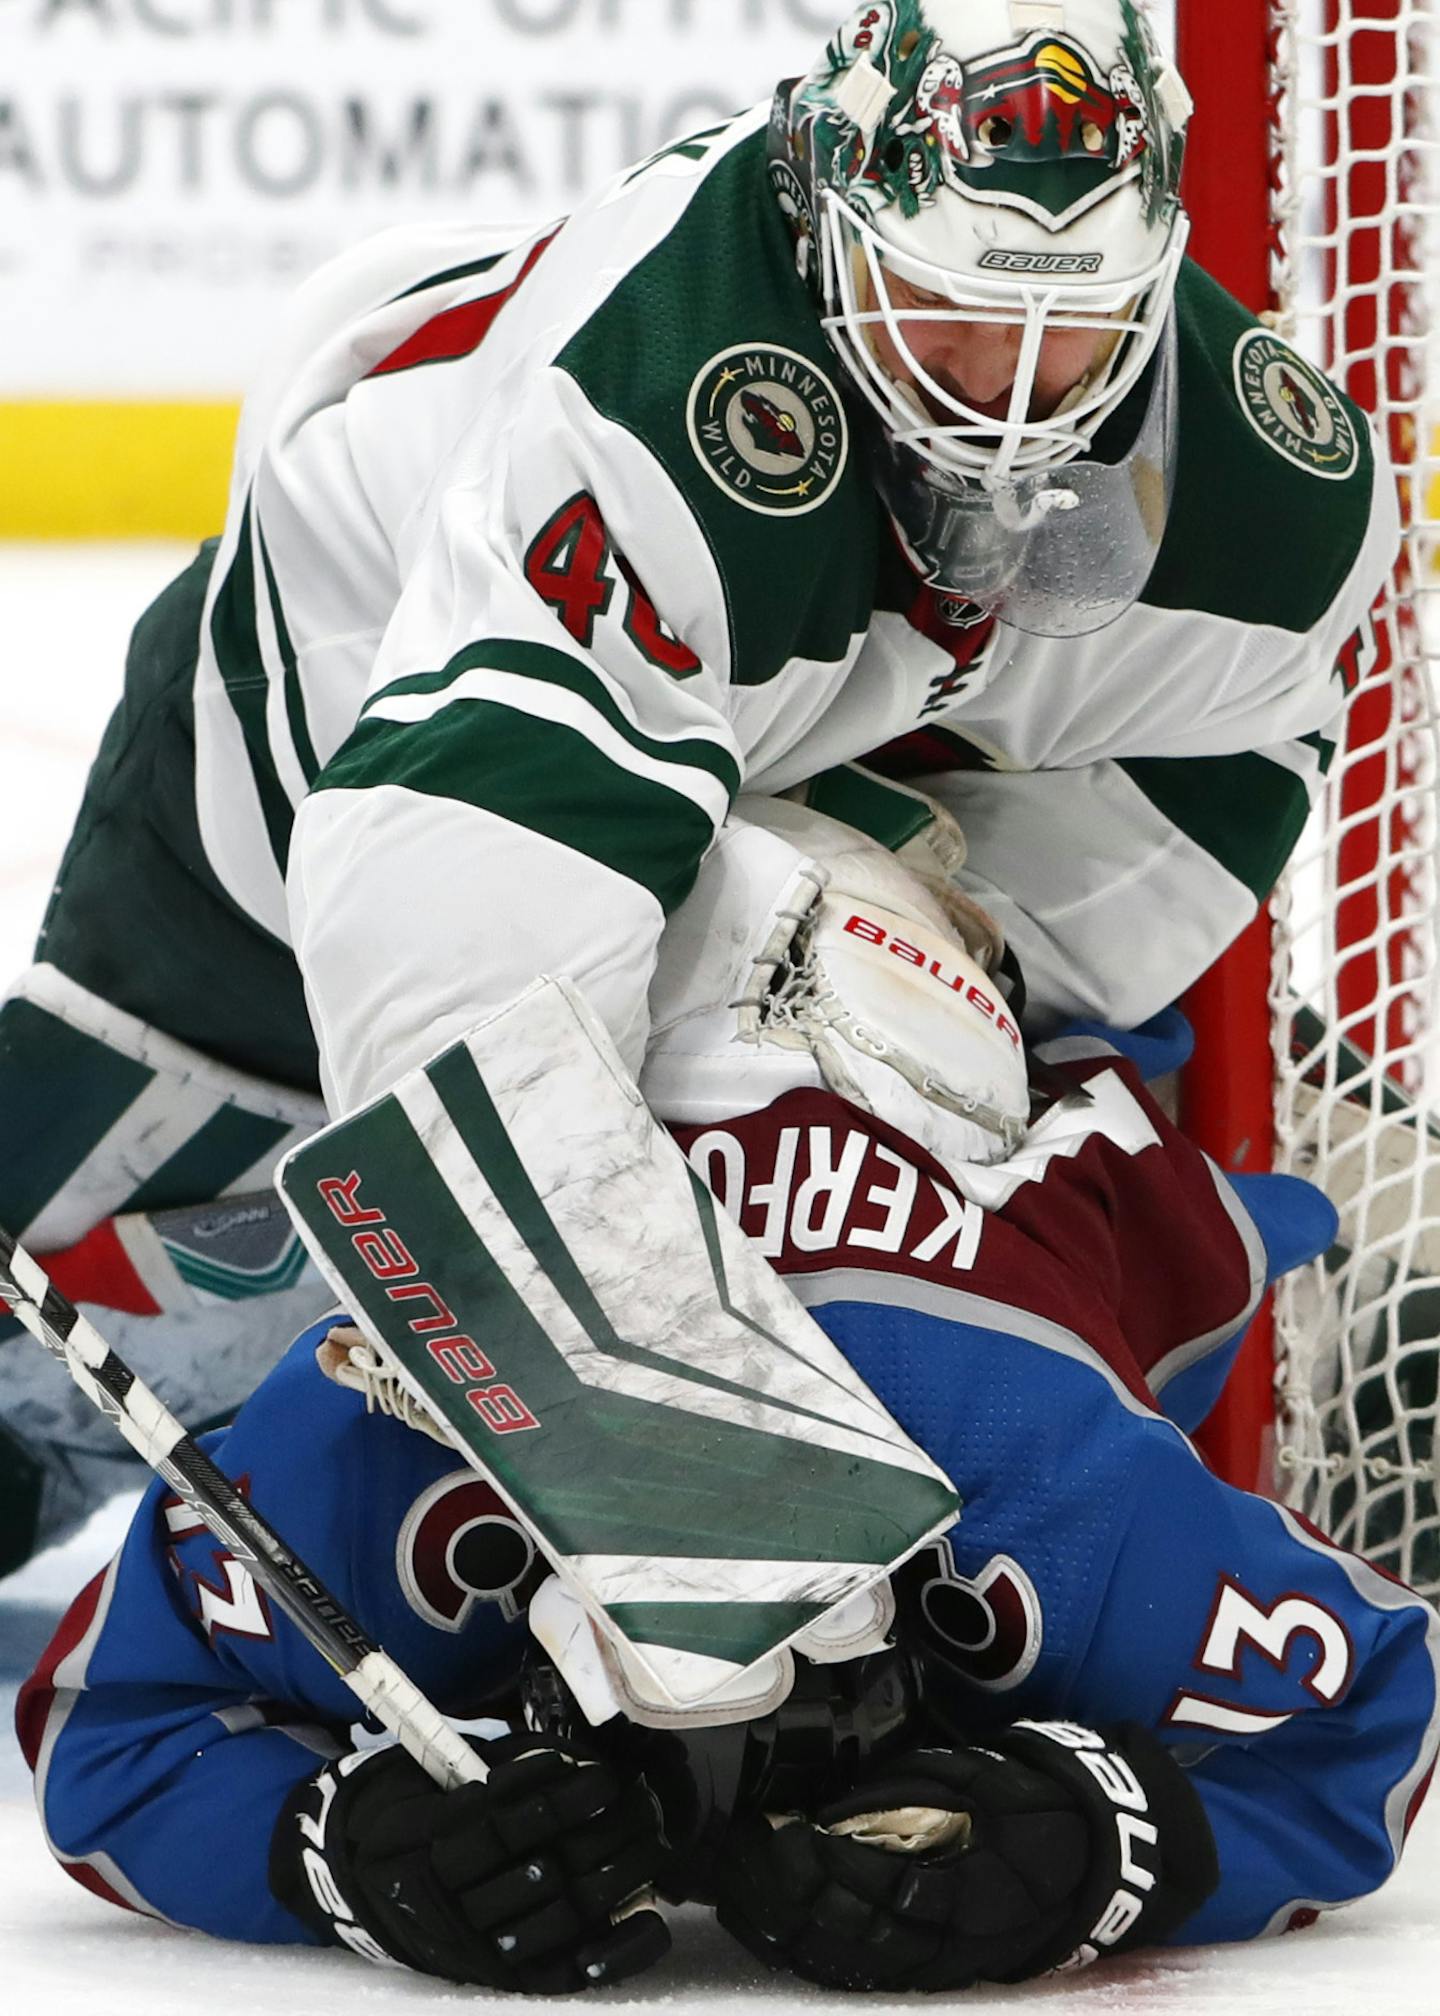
(1311, 181)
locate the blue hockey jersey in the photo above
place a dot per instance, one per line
(1048, 1328)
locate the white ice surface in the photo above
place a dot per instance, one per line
(64, 1953)
(64, 614)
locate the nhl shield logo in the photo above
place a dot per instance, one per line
(769, 427)
(1295, 409)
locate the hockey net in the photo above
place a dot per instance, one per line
(1314, 191)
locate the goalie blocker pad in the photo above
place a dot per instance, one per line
(530, 1251)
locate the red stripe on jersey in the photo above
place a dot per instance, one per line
(89, 1879)
(924, 752)
(98, 1269)
(1333, 1546)
(32, 1706)
(456, 331)
(32, 1715)
(934, 751)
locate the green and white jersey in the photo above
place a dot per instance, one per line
(540, 548)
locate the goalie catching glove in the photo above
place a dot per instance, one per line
(941, 1868)
(809, 956)
(528, 1881)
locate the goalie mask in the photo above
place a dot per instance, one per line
(984, 193)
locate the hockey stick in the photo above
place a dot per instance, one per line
(155, 1435)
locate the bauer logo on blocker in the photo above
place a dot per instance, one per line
(769, 427)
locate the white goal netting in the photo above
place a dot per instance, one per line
(1356, 1029)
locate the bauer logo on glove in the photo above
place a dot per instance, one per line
(811, 956)
(900, 1019)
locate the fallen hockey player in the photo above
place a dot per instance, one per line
(1118, 1703)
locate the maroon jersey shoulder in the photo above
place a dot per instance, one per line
(1107, 1222)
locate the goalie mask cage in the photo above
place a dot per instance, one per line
(1312, 181)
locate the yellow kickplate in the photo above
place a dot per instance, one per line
(114, 469)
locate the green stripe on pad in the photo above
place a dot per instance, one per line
(425, 1214)
(466, 1099)
(239, 1284)
(602, 1472)
(211, 1161)
(614, 1475)
(61, 1091)
(712, 1628)
(803, 1472)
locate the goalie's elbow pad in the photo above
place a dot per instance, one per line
(535, 1880)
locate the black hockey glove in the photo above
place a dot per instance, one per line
(506, 1884)
(1071, 1844)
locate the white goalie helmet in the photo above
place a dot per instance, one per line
(1013, 164)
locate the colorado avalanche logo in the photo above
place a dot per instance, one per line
(989, 1629)
(769, 428)
(459, 1545)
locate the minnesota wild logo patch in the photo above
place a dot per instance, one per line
(1294, 408)
(769, 427)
